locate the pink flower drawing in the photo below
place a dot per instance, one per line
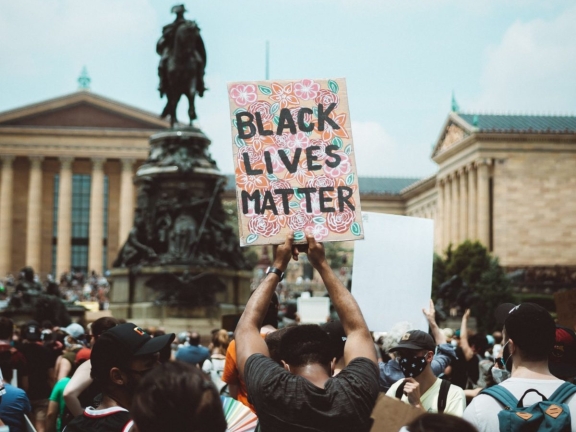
(263, 108)
(343, 168)
(264, 226)
(299, 140)
(326, 97)
(277, 164)
(319, 231)
(243, 94)
(315, 204)
(306, 89)
(340, 222)
(298, 220)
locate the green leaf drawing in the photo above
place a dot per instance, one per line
(298, 195)
(276, 119)
(251, 238)
(271, 177)
(333, 86)
(265, 90)
(294, 204)
(337, 142)
(235, 123)
(239, 142)
(315, 111)
(348, 150)
(299, 235)
(239, 110)
(275, 107)
(356, 229)
(350, 179)
(319, 220)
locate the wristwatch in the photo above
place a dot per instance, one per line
(276, 271)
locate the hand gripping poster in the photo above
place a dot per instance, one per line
(294, 161)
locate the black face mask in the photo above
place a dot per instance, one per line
(412, 366)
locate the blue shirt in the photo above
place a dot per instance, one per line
(13, 406)
(192, 354)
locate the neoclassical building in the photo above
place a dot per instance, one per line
(67, 197)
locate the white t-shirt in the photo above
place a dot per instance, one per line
(455, 401)
(484, 409)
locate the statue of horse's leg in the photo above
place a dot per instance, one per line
(191, 108)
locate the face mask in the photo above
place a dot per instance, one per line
(500, 375)
(412, 366)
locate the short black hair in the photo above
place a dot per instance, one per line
(439, 423)
(102, 324)
(480, 342)
(178, 397)
(194, 339)
(6, 328)
(273, 339)
(306, 344)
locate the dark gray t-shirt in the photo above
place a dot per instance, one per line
(286, 402)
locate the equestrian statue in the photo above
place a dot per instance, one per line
(182, 64)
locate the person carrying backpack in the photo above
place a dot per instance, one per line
(532, 399)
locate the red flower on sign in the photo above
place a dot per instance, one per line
(284, 95)
(264, 226)
(326, 97)
(321, 152)
(306, 89)
(319, 231)
(263, 108)
(298, 220)
(243, 94)
(321, 181)
(299, 140)
(339, 222)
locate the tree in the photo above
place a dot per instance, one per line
(470, 278)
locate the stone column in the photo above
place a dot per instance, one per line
(455, 217)
(64, 242)
(463, 205)
(472, 203)
(126, 201)
(6, 194)
(34, 219)
(96, 233)
(438, 222)
(484, 202)
(447, 213)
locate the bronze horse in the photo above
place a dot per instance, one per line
(184, 74)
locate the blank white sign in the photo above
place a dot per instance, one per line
(392, 277)
(313, 310)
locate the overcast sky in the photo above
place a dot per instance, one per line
(402, 60)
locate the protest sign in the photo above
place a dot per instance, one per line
(566, 308)
(294, 161)
(390, 414)
(392, 278)
(313, 310)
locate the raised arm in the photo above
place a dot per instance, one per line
(359, 342)
(437, 334)
(248, 339)
(468, 353)
(79, 382)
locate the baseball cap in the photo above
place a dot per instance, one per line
(133, 340)
(82, 355)
(415, 340)
(32, 332)
(562, 359)
(527, 324)
(75, 330)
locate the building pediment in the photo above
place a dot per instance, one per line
(455, 130)
(82, 110)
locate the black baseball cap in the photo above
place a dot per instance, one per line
(32, 331)
(529, 325)
(415, 340)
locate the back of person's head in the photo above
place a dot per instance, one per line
(497, 335)
(272, 340)
(479, 343)
(335, 332)
(439, 423)
(221, 340)
(6, 328)
(305, 344)
(194, 339)
(530, 327)
(177, 397)
(101, 325)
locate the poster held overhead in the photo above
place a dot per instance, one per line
(294, 161)
(392, 278)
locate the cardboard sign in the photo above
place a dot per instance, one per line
(294, 161)
(390, 414)
(392, 278)
(566, 308)
(313, 310)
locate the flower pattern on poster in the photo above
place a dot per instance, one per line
(290, 173)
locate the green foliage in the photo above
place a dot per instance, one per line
(476, 281)
(335, 253)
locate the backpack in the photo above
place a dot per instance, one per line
(548, 415)
(442, 395)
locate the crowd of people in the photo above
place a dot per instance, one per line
(116, 376)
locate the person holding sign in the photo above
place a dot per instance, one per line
(303, 395)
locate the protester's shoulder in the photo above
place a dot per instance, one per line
(256, 362)
(392, 390)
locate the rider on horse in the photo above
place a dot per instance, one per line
(165, 47)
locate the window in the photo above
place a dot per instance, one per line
(81, 184)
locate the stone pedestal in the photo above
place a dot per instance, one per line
(131, 297)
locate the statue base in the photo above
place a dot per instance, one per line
(133, 296)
